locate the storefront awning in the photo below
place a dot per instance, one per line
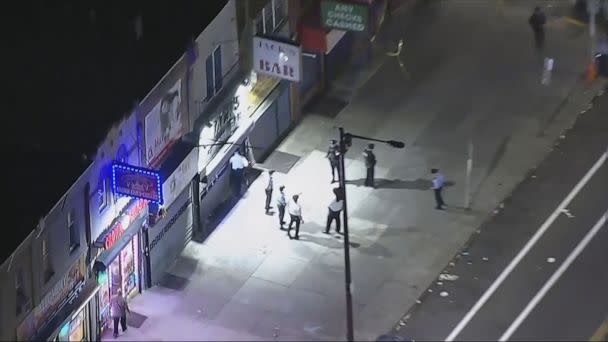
(67, 312)
(109, 255)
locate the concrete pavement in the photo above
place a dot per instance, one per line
(472, 73)
(575, 305)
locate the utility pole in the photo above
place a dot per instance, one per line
(350, 334)
(593, 7)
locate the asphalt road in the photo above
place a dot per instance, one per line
(575, 305)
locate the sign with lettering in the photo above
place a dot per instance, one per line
(278, 59)
(113, 234)
(181, 177)
(54, 299)
(344, 16)
(137, 182)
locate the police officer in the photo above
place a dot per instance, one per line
(438, 182)
(237, 164)
(268, 190)
(332, 156)
(370, 163)
(334, 209)
(281, 204)
(295, 213)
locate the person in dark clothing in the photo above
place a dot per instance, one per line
(370, 163)
(537, 22)
(332, 156)
(334, 209)
(268, 190)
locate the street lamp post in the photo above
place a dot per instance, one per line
(344, 137)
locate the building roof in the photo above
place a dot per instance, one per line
(76, 68)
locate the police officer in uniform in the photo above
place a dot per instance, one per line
(370, 163)
(332, 156)
(268, 190)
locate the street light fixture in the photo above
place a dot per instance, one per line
(345, 139)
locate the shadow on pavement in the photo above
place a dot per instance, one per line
(383, 183)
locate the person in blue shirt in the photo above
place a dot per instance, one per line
(438, 182)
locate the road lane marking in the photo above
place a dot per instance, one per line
(554, 278)
(522, 253)
(601, 334)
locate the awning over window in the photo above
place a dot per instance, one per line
(65, 314)
(108, 256)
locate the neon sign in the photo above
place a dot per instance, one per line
(137, 182)
(123, 223)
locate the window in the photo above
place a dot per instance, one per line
(271, 17)
(213, 72)
(122, 155)
(23, 302)
(103, 192)
(73, 230)
(47, 268)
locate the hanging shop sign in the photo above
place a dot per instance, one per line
(181, 177)
(166, 122)
(52, 302)
(117, 229)
(136, 182)
(276, 58)
(344, 16)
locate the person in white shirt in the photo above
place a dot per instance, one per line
(238, 164)
(268, 190)
(335, 207)
(281, 204)
(295, 212)
(438, 182)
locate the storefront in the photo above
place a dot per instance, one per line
(63, 314)
(169, 232)
(118, 266)
(253, 119)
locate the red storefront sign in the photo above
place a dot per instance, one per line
(116, 231)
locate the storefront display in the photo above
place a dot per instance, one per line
(118, 266)
(74, 330)
(123, 274)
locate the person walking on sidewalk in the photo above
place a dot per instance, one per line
(332, 156)
(438, 182)
(334, 209)
(118, 311)
(268, 190)
(537, 22)
(295, 213)
(370, 163)
(281, 204)
(237, 164)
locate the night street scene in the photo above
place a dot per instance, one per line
(305, 170)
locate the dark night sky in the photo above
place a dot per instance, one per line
(74, 68)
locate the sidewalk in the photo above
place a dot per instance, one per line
(248, 281)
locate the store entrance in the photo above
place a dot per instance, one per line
(123, 274)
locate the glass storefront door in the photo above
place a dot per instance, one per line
(123, 274)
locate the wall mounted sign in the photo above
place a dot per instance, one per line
(278, 59)
(181, 177)
(137, 182)
(344, 16)
(117, 229)
(52, 302)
